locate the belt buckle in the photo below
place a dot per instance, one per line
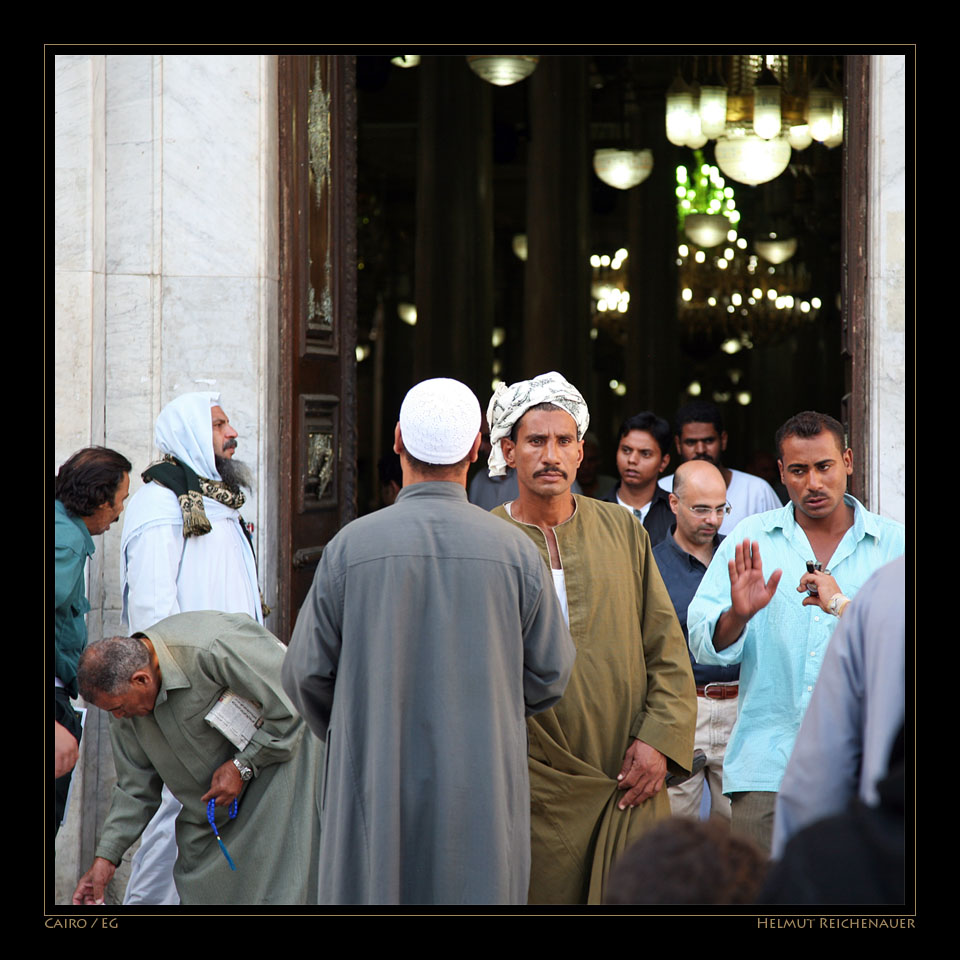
(722, 687)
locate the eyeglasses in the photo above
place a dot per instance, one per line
(703, 511)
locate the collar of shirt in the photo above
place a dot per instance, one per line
(448, 489)
(86, 540)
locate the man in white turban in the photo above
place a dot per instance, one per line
(430, 631)
(184, 548)
(598, 758)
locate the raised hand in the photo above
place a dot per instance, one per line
(749, 593)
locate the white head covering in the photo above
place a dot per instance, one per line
(439, 420)
(185, 430)
(509, 403)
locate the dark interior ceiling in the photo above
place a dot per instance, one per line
(806, 200)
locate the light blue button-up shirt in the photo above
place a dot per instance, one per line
(782, 647)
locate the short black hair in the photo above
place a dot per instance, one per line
(666, 865)
(649, 422)
(698, 411)
(809, 424)
(90, 479)
(537, 406)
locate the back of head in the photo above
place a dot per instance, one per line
(698, 411)
(439, 424)
(90, 478)
(185, 430)
(809, 424)
(683, 861)
(649, 422)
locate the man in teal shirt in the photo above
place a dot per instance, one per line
(779, 636)
(90, 489)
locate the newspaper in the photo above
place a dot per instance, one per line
(236, 718)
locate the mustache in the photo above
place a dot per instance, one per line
(230, 444)
(549, 471)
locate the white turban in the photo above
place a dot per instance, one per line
(439, 421)
(509, 403)
(184, 430)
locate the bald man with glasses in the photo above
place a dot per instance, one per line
(699, 504)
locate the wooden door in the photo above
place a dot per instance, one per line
(317, 363)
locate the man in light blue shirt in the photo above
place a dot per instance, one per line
(779, 633)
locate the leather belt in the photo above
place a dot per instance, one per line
(719, 691)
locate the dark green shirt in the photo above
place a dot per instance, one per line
(73, 544)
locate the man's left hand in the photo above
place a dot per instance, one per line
(225, 786)
(826, 589)
(642, 774)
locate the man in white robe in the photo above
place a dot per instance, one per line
(184, 548)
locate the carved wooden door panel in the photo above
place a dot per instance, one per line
(317, 316)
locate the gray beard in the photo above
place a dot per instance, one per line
(234, 473)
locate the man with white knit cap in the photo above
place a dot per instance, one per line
(184, 548)
(430, 631)
(598, 759)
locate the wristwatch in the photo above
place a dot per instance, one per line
(246, 773)
(837, 602)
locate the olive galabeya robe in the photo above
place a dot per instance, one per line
(632, 679)
(275, 836)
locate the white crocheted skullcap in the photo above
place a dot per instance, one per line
(509, 403)
(439, 420)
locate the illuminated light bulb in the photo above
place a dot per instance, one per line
(836, 124)
(742, 243)
(705, 229)
(700, 256)
(731, 346)
(731, 309)
(766, 105)
(712, 301)
(594, 261)
(683, 249)
(495, 383)
(593, 333)
(504, 69)
(747, 158)
(519, 246)
(622, 169)
(713, 109)
(820, 111)
(815, 303)
(694, 388)
(410, 60)
(736, 299)
(498, 337)
(681, 174)
(687, 294)
(804, 306)
(743, 397)
(407, 312)
(799, 136)
(776, 250)
(728, 253)
(602, 305)
(731, 235)
(623, 306)
(620, 390)
(679, 110)
(362, 351)
(621, 254)
(605, 261)
(614, 384)
(722, 264)
(771, 294)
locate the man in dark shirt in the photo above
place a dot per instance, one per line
(699, 504)
(642, 456)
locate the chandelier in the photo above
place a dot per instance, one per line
(766, 107)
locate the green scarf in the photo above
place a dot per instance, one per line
(190, 489)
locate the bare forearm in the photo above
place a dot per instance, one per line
(728, 629)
